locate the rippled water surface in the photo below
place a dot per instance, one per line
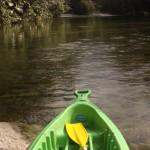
(42, 64)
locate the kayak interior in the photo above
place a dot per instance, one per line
(54, 136)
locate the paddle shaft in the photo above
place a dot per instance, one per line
(83, 148)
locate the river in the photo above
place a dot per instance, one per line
(42, 63)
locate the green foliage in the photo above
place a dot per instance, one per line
(18, 10)
(57, 7)
(12, 11)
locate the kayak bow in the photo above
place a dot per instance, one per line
(102, 132)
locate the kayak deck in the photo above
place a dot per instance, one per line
(103, 134)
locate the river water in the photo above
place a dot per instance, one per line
(42, 64)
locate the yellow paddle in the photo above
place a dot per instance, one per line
(78, 134)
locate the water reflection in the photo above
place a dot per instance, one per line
(41, 64)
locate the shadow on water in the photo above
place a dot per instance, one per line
(42, 64)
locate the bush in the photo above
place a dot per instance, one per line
(12, 11)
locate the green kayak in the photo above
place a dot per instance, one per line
(103, 133)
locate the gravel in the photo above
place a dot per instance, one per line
(11, 137)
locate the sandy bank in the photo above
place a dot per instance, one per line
(17, 136)
(11, 138)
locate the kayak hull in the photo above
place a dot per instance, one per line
(103, 133)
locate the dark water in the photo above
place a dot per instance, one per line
(42, 64)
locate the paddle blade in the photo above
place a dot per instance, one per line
(77, 133)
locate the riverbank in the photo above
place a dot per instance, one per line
(11, 138)
(16, 136)
(13, 11)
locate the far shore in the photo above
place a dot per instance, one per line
(101, 15)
